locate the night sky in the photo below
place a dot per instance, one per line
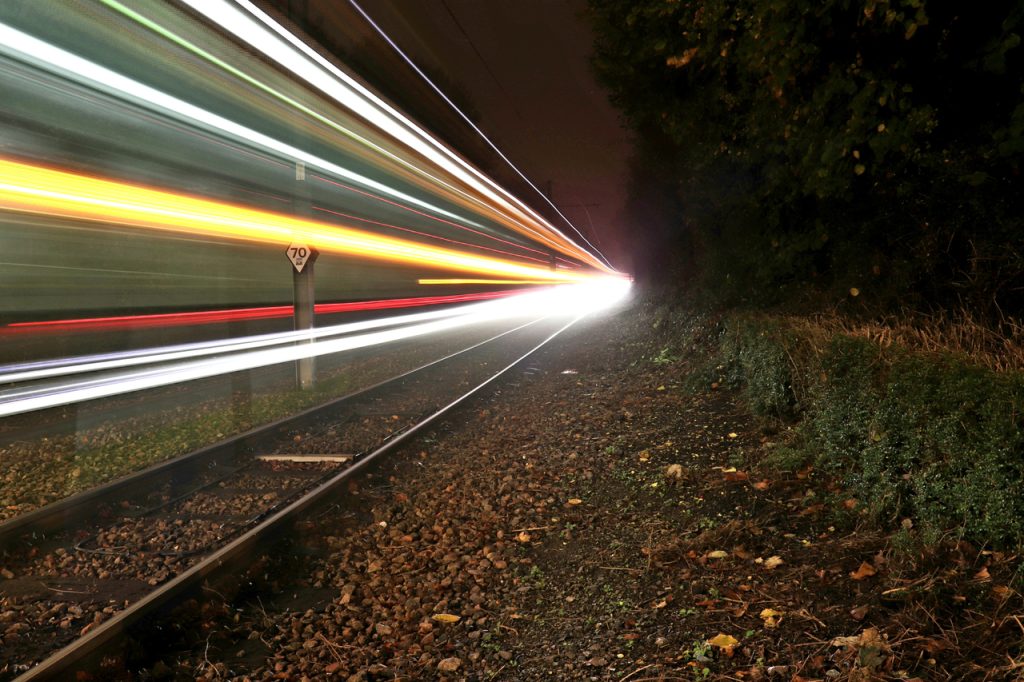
(522, 68)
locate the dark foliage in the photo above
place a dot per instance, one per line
(871, 144)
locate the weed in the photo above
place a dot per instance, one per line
(664, 357)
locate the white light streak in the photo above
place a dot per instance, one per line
(473, 125)
(308, 65)
(34, 51)
(177, 365)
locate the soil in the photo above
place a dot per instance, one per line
(593, 519)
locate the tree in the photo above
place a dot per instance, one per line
(872, 143)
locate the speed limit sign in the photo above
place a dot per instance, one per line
(300, 254)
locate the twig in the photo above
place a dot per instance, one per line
(636, 671)
(59, 591)
(523, 530)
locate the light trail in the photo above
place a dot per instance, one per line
(478, 281)
(39, 190)
(278, 44)
(573, 301)
(412, 64)
(241, 314)
(37, 52)
(302, 108)
(46, 369)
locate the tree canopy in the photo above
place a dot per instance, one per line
(868, 144)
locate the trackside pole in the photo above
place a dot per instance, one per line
(303, 257)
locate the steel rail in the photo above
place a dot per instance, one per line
(72, 511)
(91, 647)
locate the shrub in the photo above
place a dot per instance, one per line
(928, 436)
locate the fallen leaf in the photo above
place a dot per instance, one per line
(575, 501)
(850, 503)
(717, 554)
(866, 570)
(733, 434)
(523, 537)
(674, 471)
(773, 562)
(982, 575)
(446, 618)
(859, 613)
(868, 638)
(771, 617)
(736, 476)
(724, 642)
(761, 485)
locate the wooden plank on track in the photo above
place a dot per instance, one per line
(304, 458)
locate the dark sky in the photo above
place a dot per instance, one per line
(523, 66)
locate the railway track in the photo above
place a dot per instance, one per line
(153, 540)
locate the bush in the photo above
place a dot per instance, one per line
(931, 437)
(756, 359)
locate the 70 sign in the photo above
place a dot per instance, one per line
(300, 254)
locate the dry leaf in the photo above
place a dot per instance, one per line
(850, 503)
(446, 618)
(859, 613)
(982, 575)
(762, 485)
(866, 570)
(733, 434)
(575, 500)
(1003, 591)
(717, 554)
(736, 476)
(771, 617)
(523, 537)
(674, 471)
(869, 637)
(773, 562)
(724, 642)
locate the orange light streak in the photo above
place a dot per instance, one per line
(40, 190)
(483, 281)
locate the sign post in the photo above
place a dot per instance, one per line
(302, 257)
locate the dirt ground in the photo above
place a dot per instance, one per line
(593, 519)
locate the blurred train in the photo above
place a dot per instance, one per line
(157, 157)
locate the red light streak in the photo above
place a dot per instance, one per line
(237, 314)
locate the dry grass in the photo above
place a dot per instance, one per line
(1001, 350)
